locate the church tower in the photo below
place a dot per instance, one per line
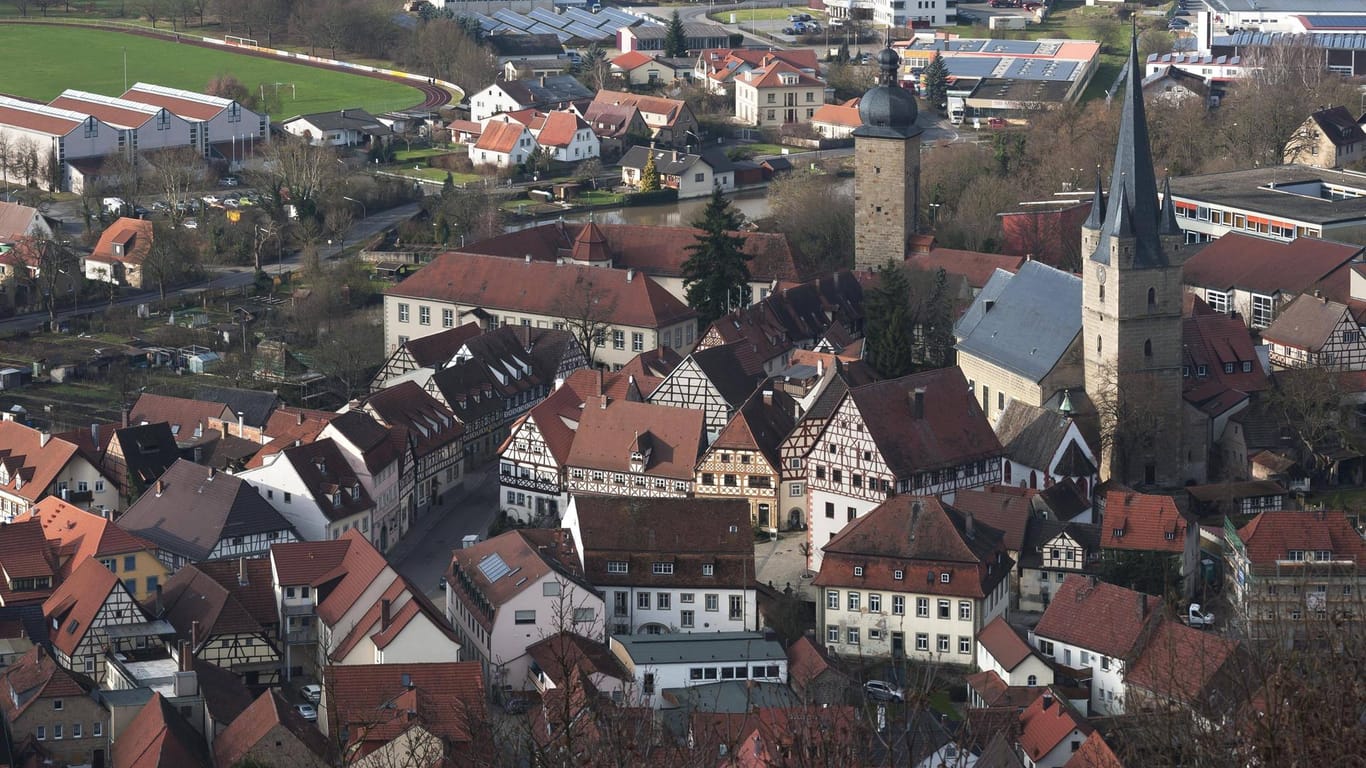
(1132, 253)
(886, 170)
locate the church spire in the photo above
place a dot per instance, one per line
(1097, 216)
(1167, 225)
(1133, 175)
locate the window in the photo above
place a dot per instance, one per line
(922, 641)
(550, 588)
(851, 513)
(524, 617)
(830, 509)
(964, 644)
(57, 705)
(289, 497)
(41, 733)
(151, 584)
(836, 476)
(794, 489)
(663, 569)
(832, 633)
(851, 636)
(944, 577)
(584, 615)
(1105, 663)
(944, 609)
(922, 607)
(130, 563)
(874, 602)
(1046, 648)
(686, 619)
(447, 318)
(942, 643)
(710, 603)
(965, 610)
(898, 605)
(1032, 681)
(708, 569)
(617, 566)
(643, 601)
(855, 599)
(663, 601)
(424, 315)
(898, 574)
(618, 339)
(637, 342)
(57, 731)
(1261, 311)
(403, 313)
(858, 570)
(97, 728)
(737, 607)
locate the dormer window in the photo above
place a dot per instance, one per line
(898, 574)
(858, 570)
(355, 493)
(944, 577)
(1119, 533)
(336, 498)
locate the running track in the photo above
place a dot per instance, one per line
(433, 95)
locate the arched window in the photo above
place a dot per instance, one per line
(1081, 483)
(1032, 681)
(1033, 479)
(1147, 347)
(1098, 347)
(1152, 299)
(1102, 292)
(1005, 471)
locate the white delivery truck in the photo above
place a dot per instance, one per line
(957, 110)
(1007, 22)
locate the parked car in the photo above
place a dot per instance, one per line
(1198, 618)
(516, 705)
(307, 712)
(312, 692)
(996, 122)
(161, 206)
(837, 22)
(880, 690)
(211, 199)
(190, 224)
(229, 181)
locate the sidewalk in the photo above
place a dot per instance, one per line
(451, 503)
(780, 562)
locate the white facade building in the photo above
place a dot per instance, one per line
(658, 662)
(314, 488)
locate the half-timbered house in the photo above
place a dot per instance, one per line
(194, 513)
(1313, 332)
(914, 576)
(1054, 551)
(434, 351)
(1043, 446)
(225, 610)
(922, 434)
(79, 536)
(668, 565)
(743, 461)
(712, 380)
(315, 489)
(381, 457)
(436, 437)
(81, 613)
(625, 448)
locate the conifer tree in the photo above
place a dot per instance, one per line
(649, 175)
(890, 336)
(716, 276)
(675, 42)
(937, 80)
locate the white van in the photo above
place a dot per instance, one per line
(957, 110)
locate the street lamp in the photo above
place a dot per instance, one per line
(934, 213)
(363, 213)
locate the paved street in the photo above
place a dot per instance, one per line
(425, 552)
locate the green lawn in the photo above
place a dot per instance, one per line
(763, 14)
(57, 58)
(409, 155)
(439, 174)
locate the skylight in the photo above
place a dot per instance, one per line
(493, 567)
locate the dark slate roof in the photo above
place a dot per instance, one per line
(191, 508)
(28, 617)
(544, 91)
(525, 45)
(673, 163)
(1032, 321)
(952, 429)
(255, 405)
(722, 368)
(1030, 434)
(148, 450)
(1065, 499)
(1133, 201)
(345, 120)
(1039, 531)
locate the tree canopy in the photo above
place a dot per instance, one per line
(716, 276)
(675, 42)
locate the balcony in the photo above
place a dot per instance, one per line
(302, 636)
(300, 609)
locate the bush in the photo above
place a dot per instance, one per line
(657, 197)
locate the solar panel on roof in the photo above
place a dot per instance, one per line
(543, 29)
(484, 21)
(558, 21)
(581, 16)
(512, 19)
(493, 567)
(619, 18)
(587, 32)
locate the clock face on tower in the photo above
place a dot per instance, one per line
(1100, 273)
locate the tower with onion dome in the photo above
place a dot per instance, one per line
(886, 169)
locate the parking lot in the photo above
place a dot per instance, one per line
(228, 195)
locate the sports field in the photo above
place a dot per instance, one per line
(45, 60)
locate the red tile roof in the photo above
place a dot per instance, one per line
(1045, 723)
(447, 699)
(29, 466)
(977, 268)
(530, 553)
(1266, 266)
(1098, 616)
(257, 596)
(159, 737)
(1183, 665)
(806, 661)
(610, 430)
(557, 653)
(500, 137)
(631, 60)
(120, 116)
(995, 693)
(37, 676)
(500, 283)
(771, 76)
(671, 109)
(1142, 521)
(25, 553)
(184, 415)
(245, 733)
(1214, 340)
(559, 128)
(361, 566)
(951, 431)
(195, 596)
(690, 533)
(39, 118)
(924, 539)
(132, 236)
(191, 108)
(1271, 536)
(1005, 508)
(845, 114)
(307, 563)
(1094, 753)
(73, 605)
(1004, 644)
(81, 535)
(431, 425)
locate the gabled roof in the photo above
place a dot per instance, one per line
(192, 508)
(525, 556)
(689, 533)
(498, 283)
(771, 75)
(350, 119)
(1214, 340)
(39, 118)
(1142, 521)
(73, 605)
(1046, 722)
(1029, 326)
(80, 535)
(923, 538)
(1005, 508)
(36, 676)
(1339, 126)
(669, 109)
(975, 267)
(559, 129)
(378, 444)
(1265, 266)
(632, 60)
(148, 450)
(762, 423)
(1094, 753)
(721, 365)
(1308, 323)
(447, 699)
(611, 430)
(545, 91)
(255, 405)
(1271, 536)
(950, 431)
(126, 240)
(17, 220)
(159, 737)
(25, 553)
(194, 595)
(807, 661)
(1097, 616)
(671, 162)
(188, 104)
(500, 137)
(1004, 644)
(440, 347)
(1031, 434)
(246, 731)
(431, 425)
(1184, 665)
(1039, 532)
(185, 416)
(308, 563)
(31, 460)
(558, 654)
(845, 114)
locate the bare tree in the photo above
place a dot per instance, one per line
(170, 259)
(54, 267)
(297, 173)
(816, 215)
(1314, 414)
(152, 9)
(22, 6)
(177, 173)
(1135, 421)
(587, 310)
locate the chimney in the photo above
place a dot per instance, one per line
(1047, 700)
(384, 614)
(212, 472)
(768, 397)
(675, 155)
(602, 402)
(95, 434)
(194, 634)
(918, 398)
(43, 438)
(123, 415)
(300, 421)
(161, 486)
(186, 659)
(820, 367)
(242, 580)
(241, 420)
(528, 258)
(630, 274)
(970, 525)
(542, 81)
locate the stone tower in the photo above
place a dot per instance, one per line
(886, 170)
(1133, 252)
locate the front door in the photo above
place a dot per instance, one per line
(898, 644)
(764, 521)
